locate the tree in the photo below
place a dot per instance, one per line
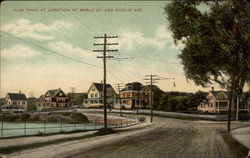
(32, 104)
(194, 100)
(216, 42)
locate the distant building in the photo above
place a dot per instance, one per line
(218, 102)
(134, 95)
(54, 98)
(15, 102)
(95, 96)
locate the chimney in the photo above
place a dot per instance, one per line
(213, 88)
(20, 92)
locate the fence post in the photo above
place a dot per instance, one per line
(61, 126)
(95, 124)
(2, 126)
(25, 128)
(44, 128)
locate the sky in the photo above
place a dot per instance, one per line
(49, 44)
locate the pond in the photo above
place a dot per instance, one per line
(9, 129)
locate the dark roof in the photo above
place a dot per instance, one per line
(52, 92)
(99, 86)
(136, 86)
(17, 96)
(216, 93)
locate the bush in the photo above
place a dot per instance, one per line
(79, 118)
(10, 117)
(141, 119)
(25, 117)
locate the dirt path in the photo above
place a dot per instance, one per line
(170, 139)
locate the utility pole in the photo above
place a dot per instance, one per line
(104, 57)
(152, 79)
(118, 86)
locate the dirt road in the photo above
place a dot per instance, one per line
(170, 139)
(165, 138)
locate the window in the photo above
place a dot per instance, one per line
(60, 94)
(96, 101)
(92, 95)
(128, 94)
(23, 103)
(14, 102)
(96, 95)
(93, 89)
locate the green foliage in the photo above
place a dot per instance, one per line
(216, 42)
(77, 98)
(180, 101)
(25, 117)
(79, 118)
(32, 104)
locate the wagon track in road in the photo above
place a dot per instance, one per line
(170, 139)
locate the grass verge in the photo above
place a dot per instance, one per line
(238, 150)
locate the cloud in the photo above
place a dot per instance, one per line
(19, 51)
(69, 49)
(38, 31)
(133, 39)
(130, 40)
(162, 33)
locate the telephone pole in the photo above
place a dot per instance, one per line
(152, 79)
(118, 86)
(104, 57)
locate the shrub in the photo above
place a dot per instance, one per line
(25, 117)
(141, 119)
(79, 118)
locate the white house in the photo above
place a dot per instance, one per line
(16, 102)
(95, 95)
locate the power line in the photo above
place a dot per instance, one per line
(53, 52)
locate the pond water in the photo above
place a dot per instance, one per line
(9, 129)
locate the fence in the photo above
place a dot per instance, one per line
(11, 129)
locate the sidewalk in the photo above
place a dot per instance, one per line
(242, 135)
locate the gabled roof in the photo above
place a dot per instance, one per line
(99, 86)
(17, 96)
(54, 92)
(216, 93)
(134, 86)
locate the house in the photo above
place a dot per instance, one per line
(95, 95)
(134, 95)
(15, 102)
(218, 102)
(53, 99)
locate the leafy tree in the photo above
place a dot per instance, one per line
(32, 104)
(216, 42)
(157, 94)
(195, 99)
(77, 98)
